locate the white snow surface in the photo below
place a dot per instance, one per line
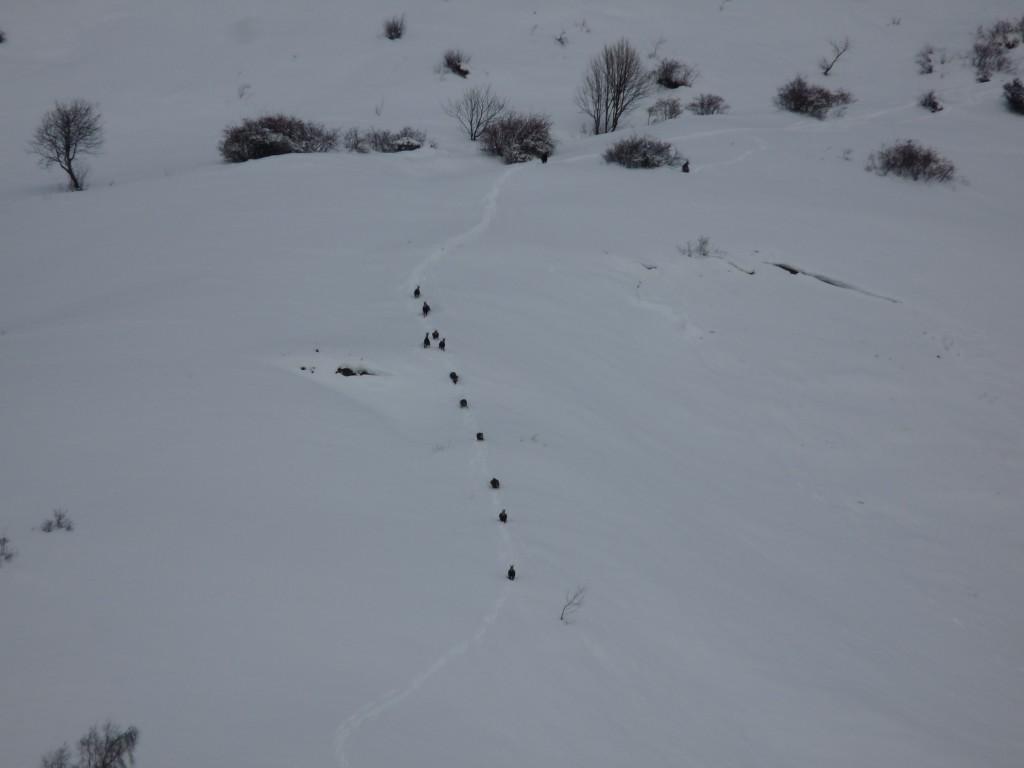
(796, 504)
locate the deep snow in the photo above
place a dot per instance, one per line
(796, 506)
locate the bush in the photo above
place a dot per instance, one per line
(804, 98)
(59, 522)
(930, 101)
(673, 74)
(475, 110)
(707, 104)
(664, 109)
(404, 140)
(925, 65)
(613, 85)
(910, 160)
(355, 140)
(109, 748)
(275, 135)
(642, 152)
(455, 61)
(376, 140)
(989, 53)
(1014, 94)
(394, 27)
(516, 138)
(925, 59)
(697, 249)
(6, 553)
(3, 36)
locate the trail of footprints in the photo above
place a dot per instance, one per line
(429, 338)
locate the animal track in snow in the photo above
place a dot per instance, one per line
(395, 697)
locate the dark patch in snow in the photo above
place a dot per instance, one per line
(830, 281)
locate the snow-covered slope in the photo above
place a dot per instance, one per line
(794, 499)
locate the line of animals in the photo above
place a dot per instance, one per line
(463, 403)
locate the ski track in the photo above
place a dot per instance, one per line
(480, 460)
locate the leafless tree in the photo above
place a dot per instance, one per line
(838, 49)
(107, 748)
(476, 109)
(613, 84)
(573, 602)
(66, 131)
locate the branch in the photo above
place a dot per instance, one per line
(838, 49)
(573, 602)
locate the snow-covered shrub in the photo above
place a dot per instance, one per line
(990, 52)
(907, 158)
(930, 101)
(378, 140)
(707, 104)
(673, 74)
(405, 140)
(394, 27)
(516, 137)
(455, 61)
(278, 134)
(807, 99)
(642, 152)
(664, 109)
(1014, 95)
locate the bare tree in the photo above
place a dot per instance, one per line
(107, 748)
(69, 129)
(613, 84)
(476, 109)
(573, 602)
(838, 49)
